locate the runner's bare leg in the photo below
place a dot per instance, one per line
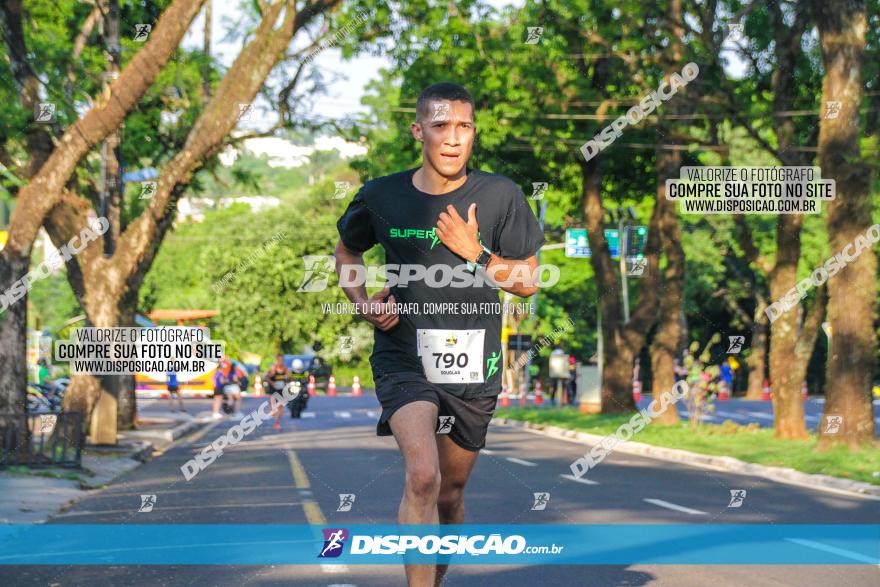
(414, 427)
(456, 465)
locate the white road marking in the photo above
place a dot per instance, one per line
(522, 462)
(372, 414)
(838, 551)
(761, 415)
(580, 480)
(672, 506)
(307, 415)
(342, 414)
(486, 451)
(334, 569)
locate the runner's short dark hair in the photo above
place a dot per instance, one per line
(441, 91)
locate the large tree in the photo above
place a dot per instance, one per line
(50, 162)
(107, 286)
(852, 303)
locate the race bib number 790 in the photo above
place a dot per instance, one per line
(452, 356)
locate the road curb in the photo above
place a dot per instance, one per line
(142, 447)
(730, 464)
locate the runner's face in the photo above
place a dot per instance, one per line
(447, 134)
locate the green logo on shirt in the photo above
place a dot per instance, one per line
(492, 364)
(415, 232)
(419, 233)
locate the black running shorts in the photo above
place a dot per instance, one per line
(471, 416)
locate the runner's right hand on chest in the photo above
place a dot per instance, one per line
(381, 313)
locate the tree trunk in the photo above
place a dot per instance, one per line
(668, 335)
(123, 386)
(13, 338)
(617, 375)
(667, 338)
(853, 291)
(206, 72)
(788, 407)
(757, 361)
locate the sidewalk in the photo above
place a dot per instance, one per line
(30, 496)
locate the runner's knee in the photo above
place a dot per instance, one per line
(423, 480)
(451, 497)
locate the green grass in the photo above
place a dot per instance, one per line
(747, 443)
(52, 474)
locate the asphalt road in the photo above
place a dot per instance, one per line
(295, 476)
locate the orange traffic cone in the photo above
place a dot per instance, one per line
(311, 385)
(331, 386)
(765, 391)
(356, 386)
(539, 393)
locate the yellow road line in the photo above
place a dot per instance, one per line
(314, 514)
(299, 473)
(312, 510)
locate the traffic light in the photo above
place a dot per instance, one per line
(636, 237)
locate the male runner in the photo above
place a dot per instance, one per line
(276, 378)
(428, 368)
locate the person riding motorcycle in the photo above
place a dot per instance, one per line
(228, 380)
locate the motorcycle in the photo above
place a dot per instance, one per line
(44, 398)
(298, 404)
(228, 403)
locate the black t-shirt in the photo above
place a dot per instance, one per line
(392, 212)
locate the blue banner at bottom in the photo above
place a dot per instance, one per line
(569, 544)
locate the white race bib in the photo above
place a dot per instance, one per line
(451, 356)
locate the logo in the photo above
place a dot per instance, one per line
(342, 188)
(346, 500)
(541, 501)
(735, 344)
(346, 344)
(245, 112)
(492, 364)
(334, 540)
(538, 189)
(47, 422)
(147, 503)
(445, 424)
(737, 497)
(832, 109)
(148, 190)
(736, 31)
(451, 340)
(637, 269)
(44, 112)
(441, 112)
(535, 33)
(414, 232)
(833, 424)
(141, 32)
(318, 270)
